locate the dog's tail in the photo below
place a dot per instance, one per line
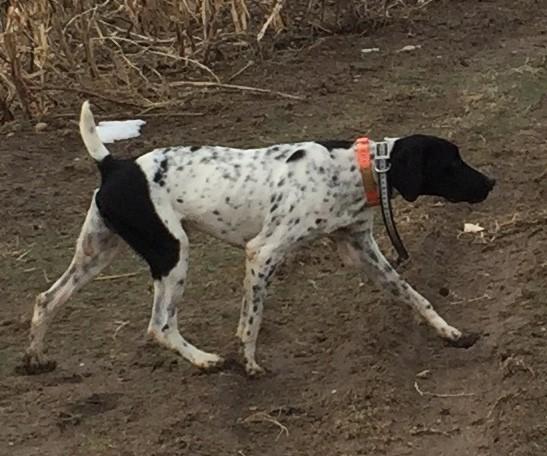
(88, 130)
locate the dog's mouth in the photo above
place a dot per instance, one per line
(455, 200)
(476, 200)
(478, 197)
(473, 200)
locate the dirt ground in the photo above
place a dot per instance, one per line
(351, 372)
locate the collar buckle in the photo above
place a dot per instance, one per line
(382, 157)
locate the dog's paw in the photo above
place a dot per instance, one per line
(34, 364)
(464, 341)
(209, 362)
(254, 370)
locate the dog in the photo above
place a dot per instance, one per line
(267, 201)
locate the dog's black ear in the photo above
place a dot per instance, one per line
(407, 167)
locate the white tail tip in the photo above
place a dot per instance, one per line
(88, 130)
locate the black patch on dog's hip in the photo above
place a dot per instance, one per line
(124, 203)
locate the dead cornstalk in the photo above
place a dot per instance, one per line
(130, 52)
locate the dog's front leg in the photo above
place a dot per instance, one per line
(261, 261)
(168, 290)
(364, 251)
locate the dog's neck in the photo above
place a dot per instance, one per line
(374, 160)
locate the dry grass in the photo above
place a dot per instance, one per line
(149, 54)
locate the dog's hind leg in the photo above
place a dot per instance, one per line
(95, 249)
(168, 290)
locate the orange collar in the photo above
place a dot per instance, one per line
(365, 162)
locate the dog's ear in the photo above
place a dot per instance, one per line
(407, 167)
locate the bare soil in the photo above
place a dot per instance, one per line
(347, 364)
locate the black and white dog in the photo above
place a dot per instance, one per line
(267, 201)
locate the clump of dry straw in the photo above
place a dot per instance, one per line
(145, 54)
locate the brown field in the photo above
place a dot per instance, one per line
(347, 364)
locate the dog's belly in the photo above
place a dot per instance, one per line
(232, 237)
(235, 227)
(230, 212)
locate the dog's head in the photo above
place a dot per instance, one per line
(426, 165)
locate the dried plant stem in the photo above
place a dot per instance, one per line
(443, 395)
(117, 276)
(135, 48)
(16, 74)
(274, 16)
(87, 92)
(240, 71)
(216, 85)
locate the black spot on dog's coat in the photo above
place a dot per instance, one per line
(373, 256)
(159, 176)
(296, 155)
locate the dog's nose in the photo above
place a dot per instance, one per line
(491, 182)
